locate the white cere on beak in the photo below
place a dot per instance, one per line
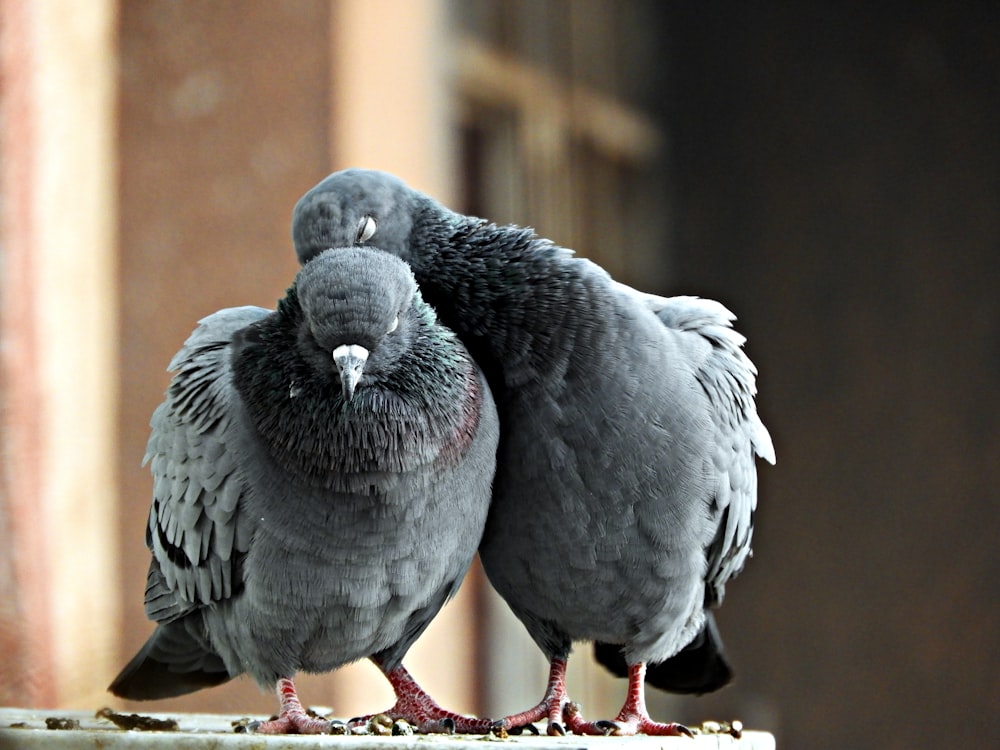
(350, 360)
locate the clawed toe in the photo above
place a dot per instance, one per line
(439, 726)
(625, 724)
(576, 723)
(498, 727)
(644, 725)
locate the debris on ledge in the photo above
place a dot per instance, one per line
(109, 730)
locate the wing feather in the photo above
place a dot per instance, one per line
(728, 378)
(194, 522)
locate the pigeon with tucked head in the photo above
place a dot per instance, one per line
(626, 481)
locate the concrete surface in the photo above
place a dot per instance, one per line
(27, 728)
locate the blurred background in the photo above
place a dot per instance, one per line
(829, 170)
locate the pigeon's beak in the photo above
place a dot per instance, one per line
(350, 359)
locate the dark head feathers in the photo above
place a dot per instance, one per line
(354, 207)
(353, 295)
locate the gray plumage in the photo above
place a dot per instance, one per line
(626, 480)
(300, 522)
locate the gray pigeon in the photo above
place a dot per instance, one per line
(322, 475)
(626, 480)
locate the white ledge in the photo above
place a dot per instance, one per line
(27, 728)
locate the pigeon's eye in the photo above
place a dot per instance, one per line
(394, 325)
(366, 228)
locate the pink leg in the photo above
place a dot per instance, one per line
(633, 718)
(292, 719)
(415, 705)
(550, 708)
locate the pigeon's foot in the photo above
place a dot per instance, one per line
(550, 709)
(632, 719)
(416, 707)
(293, 719)
(623, 726)
(296, 724)
(627, 726)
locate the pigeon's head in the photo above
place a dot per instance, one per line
(358, 314)
(354, 207)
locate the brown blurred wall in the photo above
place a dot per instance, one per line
(59, 592)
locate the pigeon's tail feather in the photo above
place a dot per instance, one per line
(700, 667)
(172, 662)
